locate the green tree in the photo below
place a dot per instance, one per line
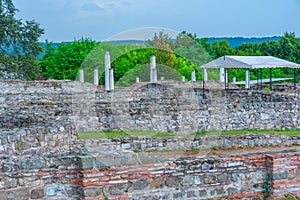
(188, 46)
(222, 48)
(19, 45)
(163, 45)
(64, 61)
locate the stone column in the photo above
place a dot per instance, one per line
(221, 75)
(81, 76)
(226, 76)
(183, 78)
(153, 71)
(247, 81)
(111, 79)
(137, 79)
(193, 76)
(233, 80)
(205, 76)
(96, 76)
(107, 67)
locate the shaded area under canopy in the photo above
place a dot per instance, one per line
(249, 62)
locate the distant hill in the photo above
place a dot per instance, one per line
(237, 41)
(233, 41)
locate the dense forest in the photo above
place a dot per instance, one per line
(175, 57)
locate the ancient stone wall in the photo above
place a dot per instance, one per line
(41, 158)
(134, 150)
(157, 107)
(73, 176)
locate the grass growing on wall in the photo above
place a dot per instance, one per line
(113, 134)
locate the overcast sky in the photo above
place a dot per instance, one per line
(65, 20)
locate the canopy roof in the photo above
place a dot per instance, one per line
(250, 62)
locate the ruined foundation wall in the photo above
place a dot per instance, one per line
(41, 158)
(157, 107)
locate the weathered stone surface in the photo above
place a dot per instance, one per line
(37, 194)
(20, 194)
(7, 183)
(279, 175)
(157, 183)
(172, 182)
(138, 185)
(39, 149)
(210, 179)
(86, 162)
(188, 180)
(92, 192)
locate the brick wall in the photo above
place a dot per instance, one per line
(233, 177)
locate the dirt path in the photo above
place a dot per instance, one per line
(223, 152)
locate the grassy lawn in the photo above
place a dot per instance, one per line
(112, 134)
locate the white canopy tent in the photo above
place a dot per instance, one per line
(247, 62)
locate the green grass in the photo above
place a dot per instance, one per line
(113, 134)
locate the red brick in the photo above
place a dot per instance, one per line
(253, 194)
(276, 186)
(238, 158)
(246, 182)
(295, 163)
(239, 196)
(89, 171)
(99, 183)
(86, 184)
(40, 174)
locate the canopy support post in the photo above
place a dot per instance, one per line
(226, 78)
(203, 83)
(257, 75)
(247, 82)
(271, 79)
(295, 79)
(260, 78)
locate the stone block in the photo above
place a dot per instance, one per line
(86, 162)
(206, 166)
(188, 180)
(7, 183)
(210, 179)
(29, 182)
(223, 178)
(37, 194)
(157, 183)
(191, 194)
(105, 160)
(234, 177)
(92, 191)
(126, 146)
(117, 189)
(51, 190)
(172, 182)
(197, 180)
(279, 175)
(177, 195)
(21, 194)
(138, 185)
(202, 193)
(297, 174)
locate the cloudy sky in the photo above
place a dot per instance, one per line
(66, 20)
